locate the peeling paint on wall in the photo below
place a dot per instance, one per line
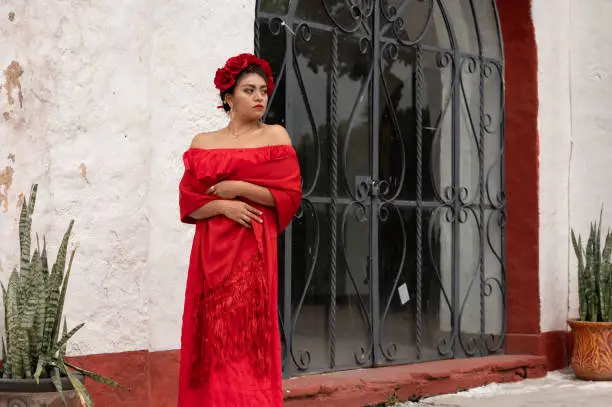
(6, 180)
(83, 169)
(11, 157)
(12, 81)
(11, 16)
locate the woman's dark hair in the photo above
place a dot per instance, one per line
(248, 70)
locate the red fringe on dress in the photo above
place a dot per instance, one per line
(232, 320)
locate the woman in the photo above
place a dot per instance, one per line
(241, 187)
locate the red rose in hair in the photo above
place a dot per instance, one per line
(236, 65)
(249, 59)
(224, 79)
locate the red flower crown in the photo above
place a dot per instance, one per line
(225, 77)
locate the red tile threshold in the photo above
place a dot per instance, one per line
(358, 388)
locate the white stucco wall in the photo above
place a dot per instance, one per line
(575, 125)
(552, 29)
(591, 78)
(112, 95)
(191, 39)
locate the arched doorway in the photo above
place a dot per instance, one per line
(396, 110)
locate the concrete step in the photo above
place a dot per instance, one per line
(371, 387)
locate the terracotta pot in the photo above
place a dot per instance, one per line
(27, 393)
(592, 353)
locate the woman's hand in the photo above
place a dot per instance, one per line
(241, 213)
(226, 189)
(232, 189)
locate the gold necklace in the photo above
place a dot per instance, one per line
(233, 133)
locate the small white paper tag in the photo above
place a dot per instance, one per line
(403, 293)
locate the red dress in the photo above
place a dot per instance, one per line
(230, 343)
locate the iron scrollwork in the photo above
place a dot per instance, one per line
(433, 214)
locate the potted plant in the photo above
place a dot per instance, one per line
(592, 333)
(34, 369)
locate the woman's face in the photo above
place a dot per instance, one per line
(250, 97)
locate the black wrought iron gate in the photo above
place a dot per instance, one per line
(396, 110)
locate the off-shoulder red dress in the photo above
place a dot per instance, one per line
(230, 343)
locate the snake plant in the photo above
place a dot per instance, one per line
(33, 306)
(594, 274)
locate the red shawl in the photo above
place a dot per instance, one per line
(230, 348)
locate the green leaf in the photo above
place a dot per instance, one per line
(44, 259)
(24, 350)
(60, 263)
(33, 192)
(24, 237)
(79, 387)
(97, 377)
(580, 255)
(14, 327)
(35, 294)
(40, 365)
(62, 296)
(604, 283)
(33, 317)
(54, 311)
(7, 369)
(50, 313)
(64, 333)
(25, 228)
(57, 382)
(66, 338)
(598, 271)
(592, 297)
(38, 330)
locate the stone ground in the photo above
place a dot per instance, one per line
(559, 389)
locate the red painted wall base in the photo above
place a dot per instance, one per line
(555, 346)
(153, 377)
